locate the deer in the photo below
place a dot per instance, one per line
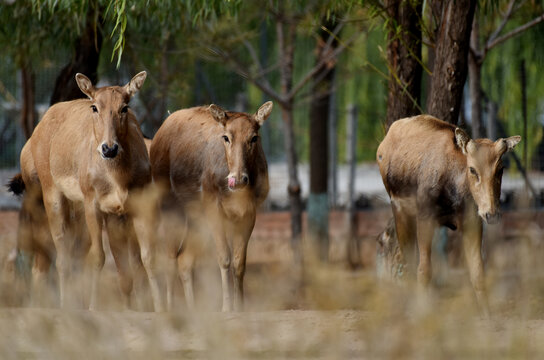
(212, 166)
(87, 164)
(436, 175)
(33, 235)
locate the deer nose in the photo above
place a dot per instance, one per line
(110, 152)
(492, 218)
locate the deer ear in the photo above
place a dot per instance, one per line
(218, 114)
(462, 139)
(264, 112)
(512, 141)
(85, 85)
(135, 83)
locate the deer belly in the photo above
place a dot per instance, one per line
(70, 188)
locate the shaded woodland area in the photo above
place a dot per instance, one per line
(339, 72)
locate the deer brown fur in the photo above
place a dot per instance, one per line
(437, 176)
(212, 163)
(89, 159)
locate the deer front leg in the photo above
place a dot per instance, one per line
(472, 244)
(223, 257)
(96, 257)
(118, 238)
(240, 234)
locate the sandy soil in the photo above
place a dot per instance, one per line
(323, 312)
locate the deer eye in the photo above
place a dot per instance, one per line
(124, 109)
(94, 108)
(254, 139)
(473, 171)
(226, 138)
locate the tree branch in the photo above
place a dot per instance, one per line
(505, 19)
(514, 32)
(319, 65)
(239, 68)
(255, 58)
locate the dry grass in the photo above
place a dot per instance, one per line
(323, 312)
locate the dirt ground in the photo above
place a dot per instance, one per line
(322, 312)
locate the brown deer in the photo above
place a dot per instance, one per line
(89, 163)
(33, 235)
(437, 176)
(213, 165)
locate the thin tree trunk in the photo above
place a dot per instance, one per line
(523, 77)
(403, 57)
(85, 59)
(318, 204)
(353, 247)
(28, 108)
(286, 34)
(451, 56)
(474, 80)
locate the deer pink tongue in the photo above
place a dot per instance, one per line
(232, 182)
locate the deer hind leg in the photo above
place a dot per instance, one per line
(186, 261)
(240, 233)
(176, 233)
(145, 230)
(118, 238)
(425, 232)
(40, 291)
(472, 244)
(405, 224)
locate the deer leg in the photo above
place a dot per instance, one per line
(185, 267)
(405, 225)
(425, 232)
(146, 233)
(96, 257)
(223, 259)
(117, 234)
(472, 244)
(241, 233)
(40, 270)
(55, 207)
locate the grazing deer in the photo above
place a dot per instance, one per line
(212, 162)
(88, 161)
(437, 176)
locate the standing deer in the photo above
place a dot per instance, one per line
(33, 235)
(437, 176)
(212, 163)
(89, 158)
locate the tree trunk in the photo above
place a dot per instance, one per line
(85, 59)
(451, 56)
(28, 108)
(286, 34)
(318, 204)
(474, 80)
(403, 57)
(353, 244)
